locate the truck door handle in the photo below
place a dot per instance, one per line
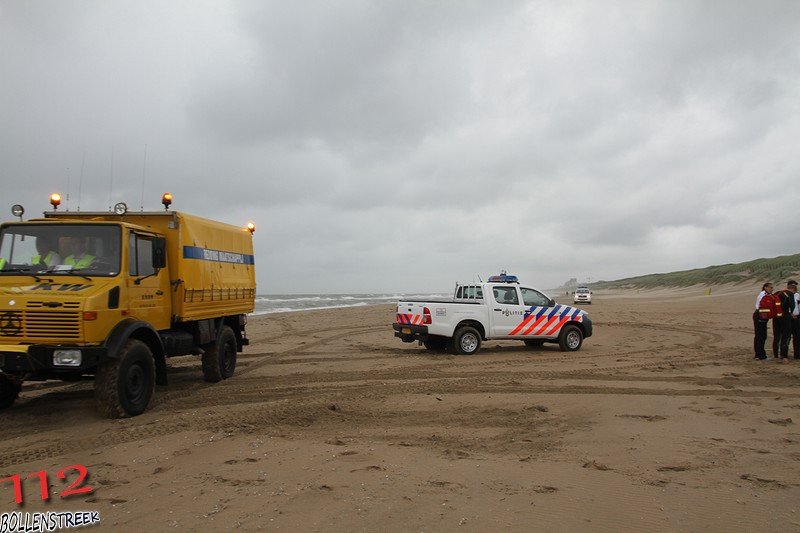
(159, 292)
(496, 309)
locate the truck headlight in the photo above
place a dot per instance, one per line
(67, 358)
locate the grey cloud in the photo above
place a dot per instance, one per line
(403, 145)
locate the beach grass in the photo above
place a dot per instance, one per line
(775, 269)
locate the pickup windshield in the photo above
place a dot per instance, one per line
(92, 250)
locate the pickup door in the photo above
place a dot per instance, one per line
(506, 311)
(511, 312)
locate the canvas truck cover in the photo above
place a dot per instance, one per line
(213, 269)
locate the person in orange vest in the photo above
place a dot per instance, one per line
(765, 309)
(782, 323)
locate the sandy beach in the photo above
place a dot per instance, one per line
(662, 422)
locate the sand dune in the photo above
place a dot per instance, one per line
(663, 422)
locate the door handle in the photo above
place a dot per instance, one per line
(159, 292)
(496, 309)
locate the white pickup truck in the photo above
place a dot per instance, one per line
(499, 309)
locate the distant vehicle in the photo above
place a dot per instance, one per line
(582, 295)
(499, 309)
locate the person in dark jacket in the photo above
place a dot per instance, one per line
(783, 331)
(796, 326)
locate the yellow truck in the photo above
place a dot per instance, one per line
(111, 295)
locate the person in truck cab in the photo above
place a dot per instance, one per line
(47, 256)
(77, 257)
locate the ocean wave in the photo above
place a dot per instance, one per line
(294, 309)
(337, 297)
(287, 303)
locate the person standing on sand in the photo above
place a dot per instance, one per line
(783, 321)
(796, 326)
(765, 309)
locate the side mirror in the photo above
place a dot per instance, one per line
(159, 252)
(551, 303)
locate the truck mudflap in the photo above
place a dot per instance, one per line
(410, 332)
(38, 359)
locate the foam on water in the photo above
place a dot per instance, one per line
(286, 303)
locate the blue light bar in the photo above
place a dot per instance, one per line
(503, 278)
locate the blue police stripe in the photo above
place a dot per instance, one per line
(537, 311)
(217, 256)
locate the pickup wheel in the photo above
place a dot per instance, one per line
(570, 339)
(124, 386)
(435, 343)
(466, 341)
(9, 390)
(534, 342)
(219, 358)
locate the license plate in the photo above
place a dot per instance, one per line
(406, 331)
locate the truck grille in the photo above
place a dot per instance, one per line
(27, 326)
(64, 305)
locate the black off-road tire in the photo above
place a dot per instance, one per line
(570, 339)
(466, 341)
(9, 391)
(534, 342)
(435, 343)
(219, 357)
(124, 386)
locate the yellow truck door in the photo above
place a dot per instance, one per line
(148, 288)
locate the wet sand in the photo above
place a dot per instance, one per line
(663, 421)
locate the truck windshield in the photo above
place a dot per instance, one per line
(60, 249)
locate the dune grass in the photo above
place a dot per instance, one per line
(774, 269)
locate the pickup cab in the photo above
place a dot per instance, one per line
(498, 309)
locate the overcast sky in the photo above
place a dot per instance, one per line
(387, 146)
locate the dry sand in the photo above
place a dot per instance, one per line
(662, 422)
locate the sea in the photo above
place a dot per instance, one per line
(285, 303)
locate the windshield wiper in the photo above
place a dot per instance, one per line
(26, 271)
(73, 272)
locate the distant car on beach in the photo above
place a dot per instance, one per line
(498, 309)
(582, 295)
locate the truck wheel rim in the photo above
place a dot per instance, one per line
(573, 339)
(227, 359)
(469, 343)
(135, 384)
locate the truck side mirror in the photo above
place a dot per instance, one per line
(159, 252)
